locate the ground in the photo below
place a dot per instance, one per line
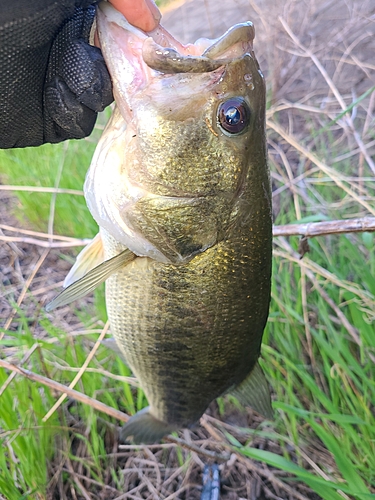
(319, 347)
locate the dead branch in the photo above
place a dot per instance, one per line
(307, 230)
(192, 447)
(46, 244)
(80, 373)
(38, 234)
(78, 396)
(324, 228)
(97, 405)
(40, 189)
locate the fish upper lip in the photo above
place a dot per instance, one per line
(160, 51)
(163, 53)
(211, 49)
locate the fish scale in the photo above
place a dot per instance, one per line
(198, 341)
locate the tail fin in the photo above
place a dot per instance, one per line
(145, 428)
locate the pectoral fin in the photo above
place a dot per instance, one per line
(254, 392)
(91, 256)
(91, 280)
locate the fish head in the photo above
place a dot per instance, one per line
(171, 172)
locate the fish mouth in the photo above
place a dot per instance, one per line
(161, 52)
(182, 59)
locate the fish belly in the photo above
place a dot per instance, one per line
(191, 332)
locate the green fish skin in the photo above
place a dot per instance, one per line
(190, 201)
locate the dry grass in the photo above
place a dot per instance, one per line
(318, 57)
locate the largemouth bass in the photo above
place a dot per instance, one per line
(179, 186)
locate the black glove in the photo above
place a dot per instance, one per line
(52, 82)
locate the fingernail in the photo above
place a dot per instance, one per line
(155, 12)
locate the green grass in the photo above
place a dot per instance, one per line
(28, 443)
(318, 350)
(41, 167)
(324, 388)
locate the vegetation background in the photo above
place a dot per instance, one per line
(319, 345)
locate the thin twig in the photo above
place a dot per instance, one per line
(82, 489)
(46, 244)
(40, 189)
(308, 230)
(24, 290)
(37, 233)
(16, 250)
(208, 454)
(137, 447)
(80, 373)
(78, 396)
(97, 405)
(13, 374)
(91, 481)
(306, 319)
(335, 176)
(105, 373)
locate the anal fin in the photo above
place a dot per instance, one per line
(254, 392)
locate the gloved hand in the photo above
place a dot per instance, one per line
(52, 82)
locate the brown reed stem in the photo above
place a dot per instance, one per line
(312, 229)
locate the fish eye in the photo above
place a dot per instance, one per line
(233, 115)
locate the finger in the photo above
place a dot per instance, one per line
(83, 69)
(140, 13)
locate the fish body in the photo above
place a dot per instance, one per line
(180, 182)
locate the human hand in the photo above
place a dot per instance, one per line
(140, 13)
(52, 82)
